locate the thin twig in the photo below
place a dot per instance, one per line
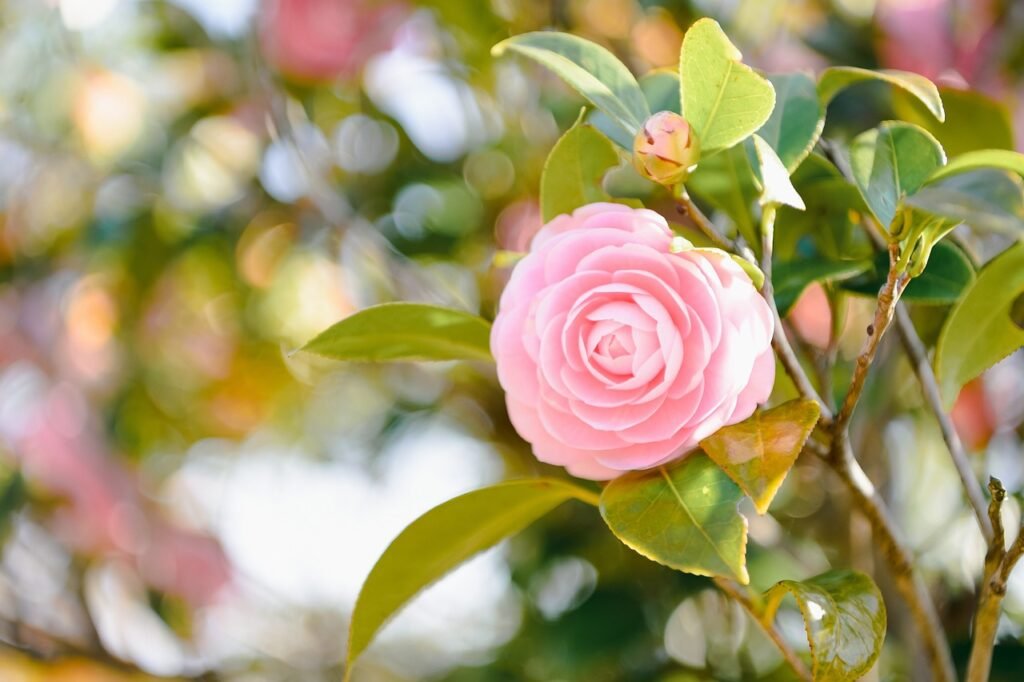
(742, 597)
(999, 563)
(888, 296)
(929, 386)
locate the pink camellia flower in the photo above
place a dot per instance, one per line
(666, 149)
(618, 350)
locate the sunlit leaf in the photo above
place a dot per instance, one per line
(790, 278)
(891, 162)
(985, 158)
(445, 537)
(973, 120)
(405, 331)
(838, 78)
(844, 616)
(982, 329)
(771, 175)
(682, 515)
(758, 452)
(574, 169)
(797, 119)
(723, 99)
(948, 274)
(589, 68)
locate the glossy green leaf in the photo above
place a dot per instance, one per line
(574, 170)
(771, 176)
(682, 515)
(985, 158)
(445, 537)
(844, 617)
(838, 78)
(973, 121)
(988, 200)
(983, 327)
(590, 69)
(758, 452)
(661, 90)
(405, 331)
(723, 99)
(948, 274)
(726, 181)
(891, 162)
(790, 278)
(796, 121)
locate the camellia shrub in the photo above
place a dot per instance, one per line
(635, 356)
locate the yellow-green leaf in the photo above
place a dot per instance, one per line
(771, 175)
(405, 331)
(837, 78)
(445, 537)
(723, 99)
(574, 170)
(973, 121)
(682, 515)
(984, 326)
(758, 453)
(984, 158)
(844, 616)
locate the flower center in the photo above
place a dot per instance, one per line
(614, 349)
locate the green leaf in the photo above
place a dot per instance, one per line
(771, 175)
(682, 515)
(405, 331)
(589, 68)
(790, 278)
(574, 170)
(948, 274)
(844, 616)
(837, 78)
(445, 537)
(985, 158)
(723, 99)
(726, 181)
(891, 162)
(797, 119)
(988, 200)
(661, 90)
(983, 328)
(758, 452)
(973, 121)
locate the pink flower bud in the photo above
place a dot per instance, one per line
(666, 150)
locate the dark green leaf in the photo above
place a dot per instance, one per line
(837, 78)
(973, 121)
(797, 119)
(948, 274)
(891, 162)
(726, 181)
(589, 68)
(988, 200)
(682, 515)
(405, 331)
(790, 278)
(982, 328)
(758, 453)
(574, 170)
(723, 99)
(445, 537)
(844, 616)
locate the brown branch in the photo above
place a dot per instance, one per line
(888, 296)
(999, 563)
(743, 598)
